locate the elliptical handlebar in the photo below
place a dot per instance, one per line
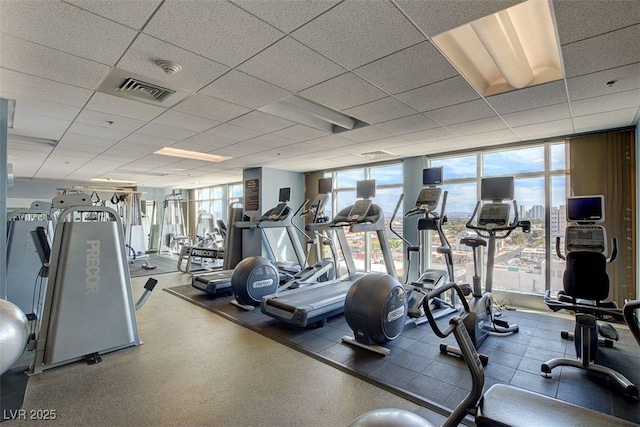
(410, 247)
(453, 322)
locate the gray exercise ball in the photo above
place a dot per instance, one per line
(14, 332)
(390, 417)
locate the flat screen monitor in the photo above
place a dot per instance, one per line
(285, 195)
(585, 209)
(499, 188)
(432, 176)
(366, 189)
(325, 186)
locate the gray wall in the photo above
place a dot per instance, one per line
(4, 109)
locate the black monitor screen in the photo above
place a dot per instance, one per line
(285, 195)
(325, 186)
(366, 189)
(432, 176)
(500, 188)
(585, 209)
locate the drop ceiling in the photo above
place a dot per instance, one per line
(373, 60)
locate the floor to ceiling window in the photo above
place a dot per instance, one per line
(365, 247)
(541, 182)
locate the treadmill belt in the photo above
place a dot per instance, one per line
(417, 371)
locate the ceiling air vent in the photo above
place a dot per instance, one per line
(125, 84)
(145, 90)
(377, 155)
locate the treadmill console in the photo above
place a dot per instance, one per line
(276, 213)
(494, 215)
(359, 210)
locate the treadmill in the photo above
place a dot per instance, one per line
(311, 305)
(281, 216)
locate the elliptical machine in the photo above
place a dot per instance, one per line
(389, 309)
(491, 223)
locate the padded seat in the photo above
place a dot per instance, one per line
(504, 405)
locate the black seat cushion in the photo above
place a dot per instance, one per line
(585, 275)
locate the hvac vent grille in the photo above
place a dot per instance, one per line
(145, 90)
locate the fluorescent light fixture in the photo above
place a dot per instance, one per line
(186, 154)
(31, 140)
(309, 113)
(119, 181)
(512, 49)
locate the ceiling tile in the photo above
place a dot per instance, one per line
(460, 113)
(478, 126)
(303, 66)
(99, 131)
(39, 107)
(537, 115)
(416, 66)
(435, 17)
(344, 33)
(612, 119)
(134, 15)
(210, 108)
(261, 122)
(579, 20)
(185, 121)
(531, 97)
(123, 107)
(167, 132)
(595, 84)
(545, 130)
(344, 91)
(609, 50)
(217, 30)
(286, 15)
(409, 124)
(382, 110)
(602, 104)
(270, 141)
(300, 133)
(367, 133)
(39, 126)
(98, 118)
(437, 95)
(77, 141)
(41, 61)
(47, 90)
(501, 136)
(88, 35)
(245, 90)
(196, 71)
(204, 142)
(138, 139)
(429, 135)
(234, 133)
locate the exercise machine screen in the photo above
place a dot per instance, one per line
(497, 189)
(432, 176)
(585, 209)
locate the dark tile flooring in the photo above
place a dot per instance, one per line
(417, 370)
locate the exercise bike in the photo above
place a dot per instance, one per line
(585, 289)
(501, 404)
(491, 221)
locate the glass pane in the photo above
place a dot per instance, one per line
(348, 179)
(461, 200)
(457, 167)
(559, 192)
(217, 192)
(236, 191)
(216, 209)
(385, 175)
(513, 161)
(387, 199)
(520, 258)
(558, 154)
